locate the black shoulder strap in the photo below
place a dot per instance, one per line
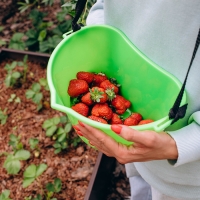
(80, 5)
(177, 112)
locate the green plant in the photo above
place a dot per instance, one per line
(32, 172)
(24, 64)
(70, 6)
(58, 128)
(38, 197)
(15, 142)
(53, 188)
(35, 94)
(27, 4)
(16, 42)
(12, 162)
(44, 37)
(34, 146)
(12, 76)
(76, 141)
(14, 98)
(5, 195)
(41, 37)
(43, 82)
(3, 116)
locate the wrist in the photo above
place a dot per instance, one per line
(172, 149)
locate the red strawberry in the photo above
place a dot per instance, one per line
(98, 95)
(102, 110)
(136, 116)
(86, 98)
(127, 103)
(81, 108)
(98, 78)
(77, 87)
(108, 85)
(98, 119)
(116, 119)
(130, 121)
(145, 121)
(120, 104)
(87, 76)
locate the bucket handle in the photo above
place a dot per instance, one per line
(67, 34)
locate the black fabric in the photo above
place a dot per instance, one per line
(177, 112)
(80, 5)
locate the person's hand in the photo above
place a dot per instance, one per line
(148, 145)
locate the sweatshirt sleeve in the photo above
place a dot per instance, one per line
(188, 141)
(96, 14)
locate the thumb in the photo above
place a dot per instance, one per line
(146, 138)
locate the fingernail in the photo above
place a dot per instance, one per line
(76, 128)
(81, 123)
(116, 128)
(79, 133)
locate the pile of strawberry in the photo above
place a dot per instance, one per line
(97, 97)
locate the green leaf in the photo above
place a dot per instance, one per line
(25, 59)
(64, 145)
(30, 171)
(43, 81)
(13, 65)
(30, 94)
(27, 182)
(2, 42)
(60, 131)
(61, 137)
(50, 131)
(12, 166)
(13, 137)
(39, 106)
(68, 127)
(44, 46)
(16, 42)
(56, 120)
(30, 42)
(16, 75)
(40, 169)
(68, 4)
(63, 119)
(47, 123)
(36, 87)
(57, 151)
(33, 143)
(42, 35)
(17, 36)
(17, 100)
(32, 34)
(57, 145)
(22, 154)
(39, 197)
(5, 195)
(50, 187)
(8, 81)
(57, 185)
(37, 98)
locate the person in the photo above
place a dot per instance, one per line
(159, 165)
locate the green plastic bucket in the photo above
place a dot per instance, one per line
(100, 48)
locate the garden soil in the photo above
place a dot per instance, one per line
(73, 166)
